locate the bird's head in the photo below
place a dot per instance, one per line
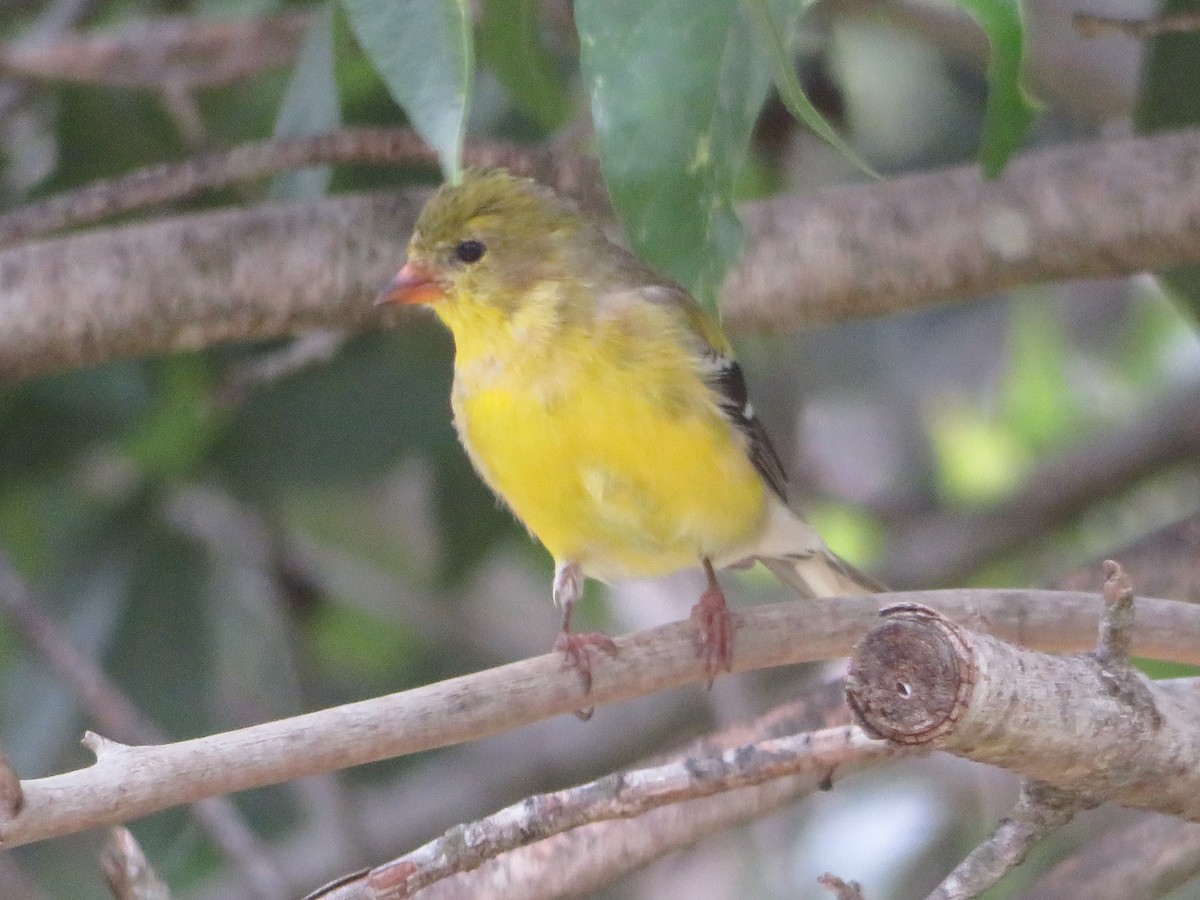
(488, 240)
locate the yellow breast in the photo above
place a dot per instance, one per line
(604, 442)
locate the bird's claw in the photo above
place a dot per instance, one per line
(714, 632)
(576, 650)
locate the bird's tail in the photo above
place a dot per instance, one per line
(798, 557)
(821, 573)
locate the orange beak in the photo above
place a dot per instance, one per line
(414, 284)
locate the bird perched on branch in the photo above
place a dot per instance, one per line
(604, 406)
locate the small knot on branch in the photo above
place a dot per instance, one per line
(843, 890)
(910, 677)
(1116, 625)
(100, 745)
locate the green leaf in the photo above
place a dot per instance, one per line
(675, 88)
(509, 43)
(1010, 110)
(423, 50)
(790, 91)
(310, 106)
(1170, 98)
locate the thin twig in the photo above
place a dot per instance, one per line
(55, 17)
(1091, 25)
(1041, 809)
(1116, 625)
(171, 183)
(183, 53)
(1162, 562)
(309, 349)
(1150, 858)
(127, 871)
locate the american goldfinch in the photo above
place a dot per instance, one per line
(603, 405)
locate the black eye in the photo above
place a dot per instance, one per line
(469, 251)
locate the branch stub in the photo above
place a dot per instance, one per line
(910, 677)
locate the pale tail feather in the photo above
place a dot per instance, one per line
(798, 557)
(821, 574)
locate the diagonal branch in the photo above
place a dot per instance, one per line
(1041, 809)
(128, 782)
(946, 547)
(622, 795)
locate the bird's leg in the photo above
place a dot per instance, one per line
(568, 588)
(715, 626)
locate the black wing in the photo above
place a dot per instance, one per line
(727, 380)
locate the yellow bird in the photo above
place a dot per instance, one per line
(603, 405)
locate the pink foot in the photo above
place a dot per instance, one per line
(577, 649)
(714, 637)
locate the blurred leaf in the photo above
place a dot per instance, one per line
(162, 653)
(177, 431)
(423, 50)
(790, 90)
(384, 395)
(310, 106)
(470, 519)
(1037, 396)
(509, 42)
(350, 644)
(1157, 668)
(675, 88)
(1010, 111)
(48, 422)
(979, 460)
(1170, 98)
(851, 532)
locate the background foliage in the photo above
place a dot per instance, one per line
(235, 553)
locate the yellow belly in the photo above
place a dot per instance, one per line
(625, 471)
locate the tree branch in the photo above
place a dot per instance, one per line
(151, 53)
(585, 859)
(1077, 723)
(1041, 809)
(1093, 210)
(621, 795)
(175, 182)
(1101, 209)
(127, 782)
